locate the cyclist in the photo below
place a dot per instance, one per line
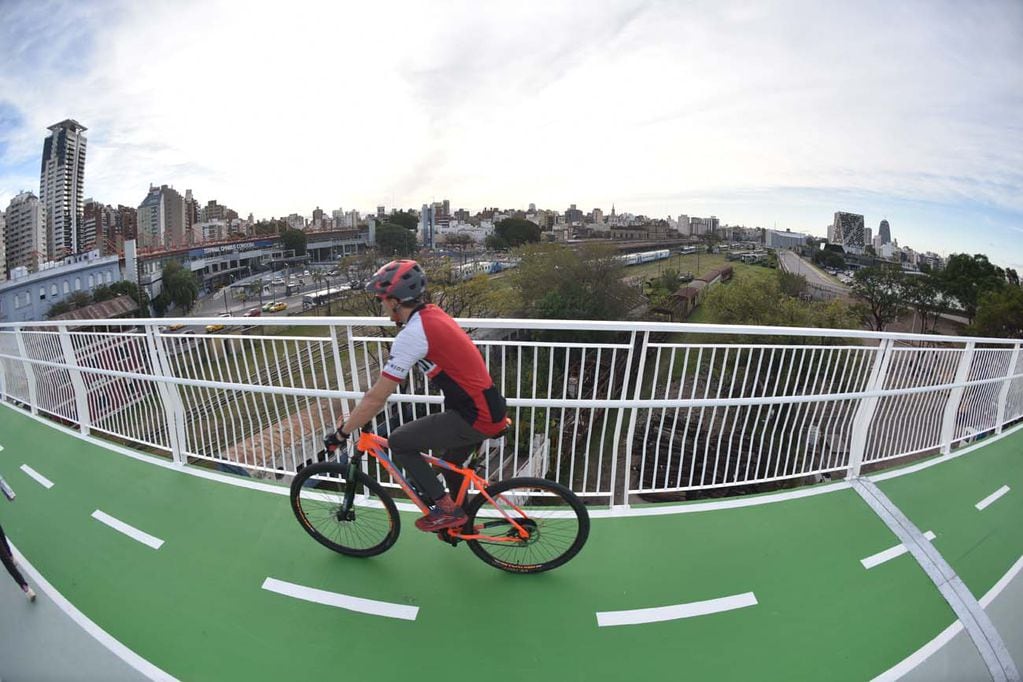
(433, 341)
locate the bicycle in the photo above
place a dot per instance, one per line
(520, 525)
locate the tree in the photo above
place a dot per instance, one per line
(180, 286)
(394, 240)
(512, 232)
(556, 282)
(829, 259)
(763, 302)
(880, 290)
(966, 278)
(1012, 276)
(409, 220)
(791, 284)
(1000, 314)
(126, 288)
(294, 240)
(924, 295)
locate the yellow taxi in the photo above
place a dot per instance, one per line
(280, 305)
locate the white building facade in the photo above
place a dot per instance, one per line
(28, 296)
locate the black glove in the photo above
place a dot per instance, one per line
(332, 441)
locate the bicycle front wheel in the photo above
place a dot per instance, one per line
(369, 527)
(533, 526)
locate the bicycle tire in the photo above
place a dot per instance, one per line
(524, 557)
(316, 512)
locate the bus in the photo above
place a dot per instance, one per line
(318, 298)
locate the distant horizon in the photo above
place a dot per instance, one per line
(761, 114)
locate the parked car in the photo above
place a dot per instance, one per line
(266, 306)
(253, 312)
(278, 281)
(280, 305)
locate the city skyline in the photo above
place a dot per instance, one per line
(751, 113)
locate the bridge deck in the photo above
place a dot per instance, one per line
(195, 608)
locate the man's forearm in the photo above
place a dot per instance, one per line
(367, 408)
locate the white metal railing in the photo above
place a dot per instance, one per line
(612, 409)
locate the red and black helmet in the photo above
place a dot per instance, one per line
(401, 279)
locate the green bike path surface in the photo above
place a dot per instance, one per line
(195, 607)
(981, 545)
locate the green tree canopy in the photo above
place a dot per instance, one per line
(880, 292)
(180, 286)
(924, 294)
(395, 240)
(966, 278)
(829, 259)
(407, 219)
(763, 301)
(512, 232)
(294, 240)
(1000, 313)
(556, 282)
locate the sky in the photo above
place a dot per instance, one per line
(764, 113)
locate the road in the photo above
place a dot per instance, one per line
(790, 262)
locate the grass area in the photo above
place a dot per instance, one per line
(696, 264)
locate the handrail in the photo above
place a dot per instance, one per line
(612, 419)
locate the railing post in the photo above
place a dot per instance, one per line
(30, 375)
(174, 412)
(77, 380)
(1003, 394)
(955, 396)
(630, 430)
(868, 406)
(346, 406)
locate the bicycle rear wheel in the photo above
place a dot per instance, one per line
(554, 521)
(368, 528)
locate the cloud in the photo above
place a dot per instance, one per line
(281, 108)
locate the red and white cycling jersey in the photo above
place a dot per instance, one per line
(435, 343)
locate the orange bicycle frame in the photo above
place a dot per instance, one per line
(375, 446)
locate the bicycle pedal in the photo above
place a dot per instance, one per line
(443, 536)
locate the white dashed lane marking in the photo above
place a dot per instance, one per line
(131, 531)
(987, 501)
(676, 611)
(343, 601)
(39, 478)
(889, 554)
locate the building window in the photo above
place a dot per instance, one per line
(42, 293)
(78, 283)
(109, 278)
(53, 290)
(67, 287)
(90, 281)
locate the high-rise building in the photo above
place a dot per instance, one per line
(317, 222)
(848, 230)
(61, 180)
(97, 225)
(884, 231)
(683, 225)
(532, 207)
(573, 215)
(161, 219)
(3, 249)
(25, 232)
(381, 212)
(598, 216)
(868, 236)
(428, 225)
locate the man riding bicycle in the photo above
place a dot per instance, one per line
(433, 341)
